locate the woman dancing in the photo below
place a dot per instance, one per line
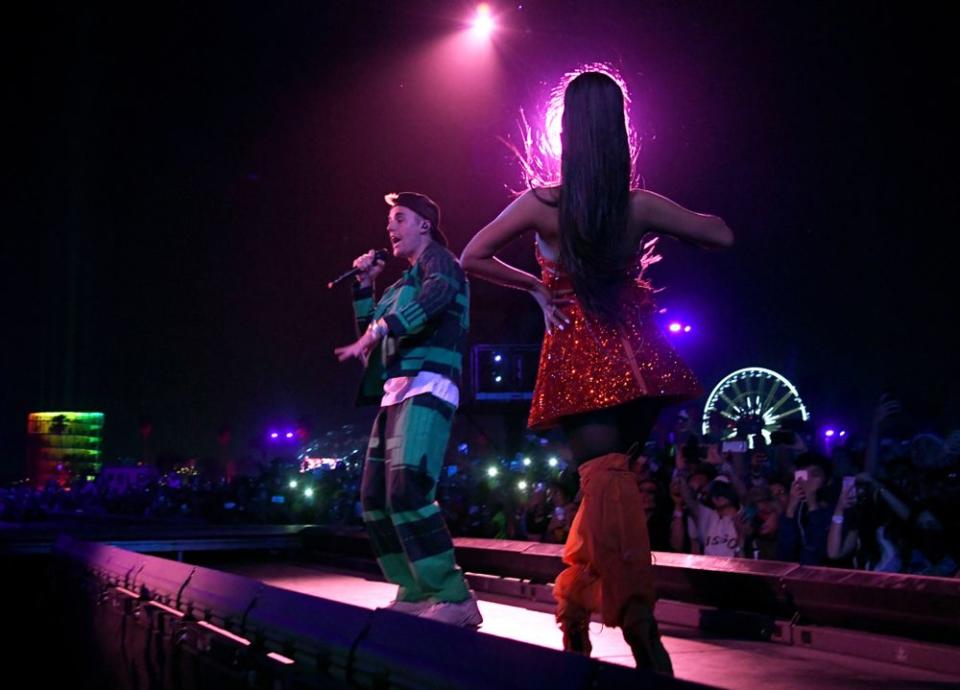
(605, 368)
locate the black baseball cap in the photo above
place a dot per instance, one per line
(423, 206)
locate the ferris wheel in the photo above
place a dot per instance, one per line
(753, 401)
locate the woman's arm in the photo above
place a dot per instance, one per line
(478, 259)
(900, 509)
(838, 544)
(655, 213)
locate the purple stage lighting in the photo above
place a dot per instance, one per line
(675, 327)
(274, 434)
(289, 434)
(686, 329)
(829, 433)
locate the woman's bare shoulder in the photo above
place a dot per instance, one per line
(549, 196)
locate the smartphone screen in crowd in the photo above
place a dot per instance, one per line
(849, 482)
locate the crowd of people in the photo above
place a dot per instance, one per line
(880, 504)
(869, 503)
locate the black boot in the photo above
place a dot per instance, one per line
(641, 633)
(576, 635)
(574, 621)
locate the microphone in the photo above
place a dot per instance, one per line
(379, 257)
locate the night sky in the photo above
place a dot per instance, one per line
(193, 174)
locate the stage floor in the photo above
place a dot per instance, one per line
(729, 664)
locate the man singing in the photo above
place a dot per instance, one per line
(412, 345)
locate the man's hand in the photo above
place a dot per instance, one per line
(369, 267)
(360, 349)
(887, 407)
(797, 494)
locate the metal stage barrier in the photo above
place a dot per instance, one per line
(145, 621)
(180, 625)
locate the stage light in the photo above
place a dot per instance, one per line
(498, 358)
(829, 433)
(293, 483)
(675, 327)
(280, 658)
(522, 485)
(483, 23)
(274, 434)
(289, 434)
(686, 329)
(526, 462)
(492, 472)
(308, 492)
(552, 462)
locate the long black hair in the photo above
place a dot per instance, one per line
(596, 169)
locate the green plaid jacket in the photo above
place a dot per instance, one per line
(427, 312)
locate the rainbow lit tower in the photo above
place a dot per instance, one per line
(63, 445)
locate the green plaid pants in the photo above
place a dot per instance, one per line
(409, 538)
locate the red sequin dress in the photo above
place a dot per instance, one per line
(591, 365)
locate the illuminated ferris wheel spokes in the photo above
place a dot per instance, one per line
(755, 401)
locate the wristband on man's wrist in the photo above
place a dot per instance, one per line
(378, 329)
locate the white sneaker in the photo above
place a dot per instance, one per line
(464, 614)
(413, 608)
